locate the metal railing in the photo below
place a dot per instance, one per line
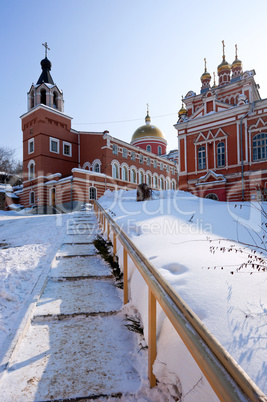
(228, 380)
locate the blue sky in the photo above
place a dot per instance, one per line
(112, 57)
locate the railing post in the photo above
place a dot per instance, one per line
(125, 276)
(152, 336)
(114, 244)
(108, 231)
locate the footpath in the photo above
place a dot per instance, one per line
(76, 346)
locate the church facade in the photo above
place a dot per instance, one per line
(222, 137)
(65, 168)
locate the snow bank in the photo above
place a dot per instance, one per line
(198, 245)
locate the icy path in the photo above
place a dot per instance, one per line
(76, 345)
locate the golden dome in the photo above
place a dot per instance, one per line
(237, 63)
(224, 66)
(147, 130)
(205, 76)
(182, 110)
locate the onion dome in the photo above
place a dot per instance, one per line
(182, 111)
(224, 70)
(147, 130)
(236, 66)
(205, 79)
(224, 65)
(46, 67)
(45, 75)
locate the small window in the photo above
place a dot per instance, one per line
(221, 154)
(43, 96)
(115, 171)
(31, 146)
(32, 99)
(54, 145)
(115, 149)
(159, 150)
(141, 158)
(31, 171)
(133, 156)
(55, 101)
(32, 198)
(133, 176)
(167, 168)
(201, 158)
(92, 193)
(31, 131)
(148, 148)
(161, 183)
(155, 182)
(124, 153)
(260, 147)
(148, 161)
(66, 148)
(161, 166)
(96, 168)
(155, 164)
(124, 173)
(141, 177)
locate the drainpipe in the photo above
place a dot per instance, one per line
(241, 145)
(71, 200)
(79, 152)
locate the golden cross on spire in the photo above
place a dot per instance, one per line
(147, 108)
(236, 52)
(205, 61)
(223, 49)
(46, 48)
(214, 83)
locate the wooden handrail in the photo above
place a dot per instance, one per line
(228, 380)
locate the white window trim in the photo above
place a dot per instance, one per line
(30, 142)
(70, 145)
(50, 147)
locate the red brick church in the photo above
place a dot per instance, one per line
(222, 136)
(64, 168)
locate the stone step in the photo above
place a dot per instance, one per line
(82, 296)
(79, 266)
(76, 358)
(74, 250)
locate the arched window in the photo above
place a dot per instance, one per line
(92, 193)
(212, 196)
(167, 184)
(97, 168)
(221, 154)
(32, 99)
(159, 150)
(43, 96)
(124, 173)
(201, 158)
(141, 177)
(31, 170)
(55, 101)
(161, 183)
(155, 182)
(260, 147)
(31, 198)
(148, 179)
(148, 148)
(115, 171)
(173, 185)
(133, 176)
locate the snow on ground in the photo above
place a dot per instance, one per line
(27, 247)
(198, 246)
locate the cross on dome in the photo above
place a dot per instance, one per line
(46, 48)
(223, 49)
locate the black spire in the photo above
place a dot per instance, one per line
(46, 67)
(45, 75)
